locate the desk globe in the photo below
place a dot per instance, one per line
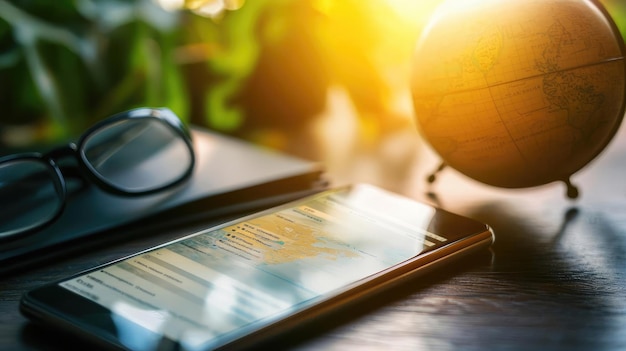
(519, 93)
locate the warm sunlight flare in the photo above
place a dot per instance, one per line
(414, 12)
(206, 8)
(274, 62)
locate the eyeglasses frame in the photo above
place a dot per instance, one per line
(77, 150)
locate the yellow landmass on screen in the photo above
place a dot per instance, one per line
(276, 239)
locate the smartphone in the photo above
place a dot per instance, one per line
(247, 280)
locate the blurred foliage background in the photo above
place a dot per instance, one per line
(259, 69)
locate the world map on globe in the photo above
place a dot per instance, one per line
(519, 93)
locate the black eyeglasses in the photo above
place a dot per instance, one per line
(137, 152)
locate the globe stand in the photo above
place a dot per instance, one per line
(433, 176)
(571, 192)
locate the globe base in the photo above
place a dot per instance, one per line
(571, 192)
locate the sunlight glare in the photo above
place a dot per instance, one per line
(205, 8)
(414, 12)
(171, 5)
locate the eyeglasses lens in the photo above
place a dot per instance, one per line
(137, 155)
(29, 195)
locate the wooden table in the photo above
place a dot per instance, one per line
(554, 280)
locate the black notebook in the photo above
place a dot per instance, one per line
(230, 176)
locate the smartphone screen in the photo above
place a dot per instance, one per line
(232, 283)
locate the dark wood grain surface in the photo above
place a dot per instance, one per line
(555, 278)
